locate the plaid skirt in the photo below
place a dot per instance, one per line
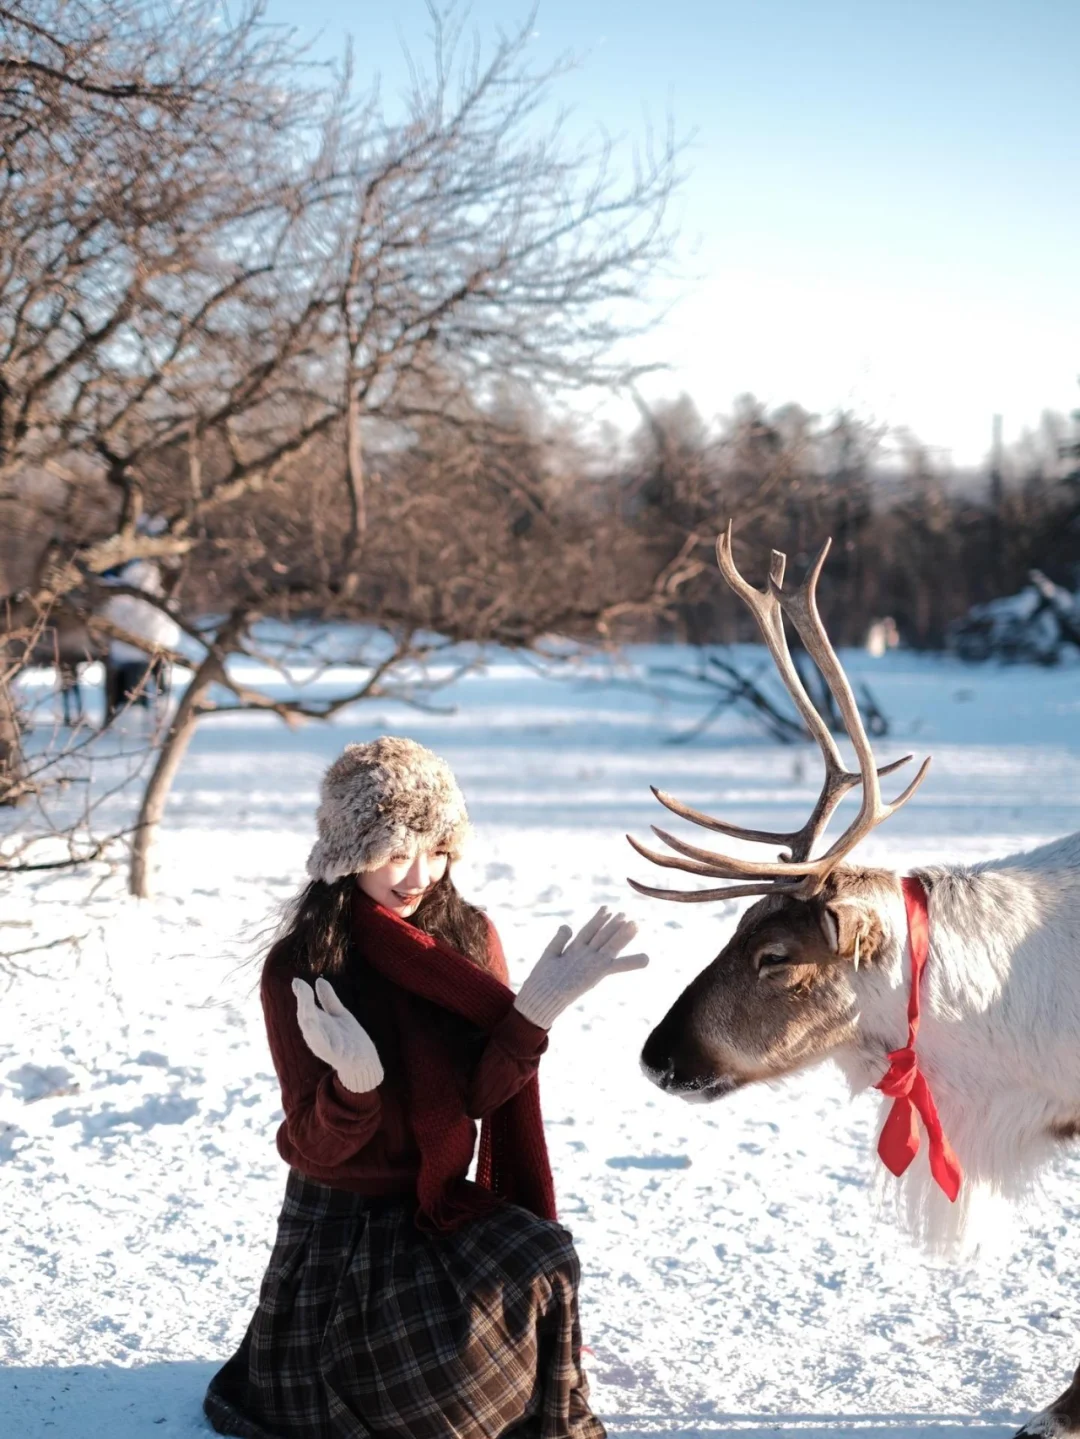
(368, 1328)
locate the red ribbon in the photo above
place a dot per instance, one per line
(898, 1143)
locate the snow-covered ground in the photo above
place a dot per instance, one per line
(736, 1272)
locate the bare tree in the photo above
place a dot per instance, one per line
(216, 278)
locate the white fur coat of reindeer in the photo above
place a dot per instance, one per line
(1000, 1033)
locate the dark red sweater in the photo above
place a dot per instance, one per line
(363, 1142)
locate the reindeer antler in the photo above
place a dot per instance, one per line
(794, 872)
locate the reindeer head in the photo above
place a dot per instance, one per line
(782, 993)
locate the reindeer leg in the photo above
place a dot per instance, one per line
(1060, 1420)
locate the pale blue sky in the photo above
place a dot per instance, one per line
(883, 210)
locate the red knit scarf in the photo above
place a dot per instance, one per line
(905, 1082)
(513, 1162)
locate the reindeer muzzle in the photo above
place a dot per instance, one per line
(678, 1065)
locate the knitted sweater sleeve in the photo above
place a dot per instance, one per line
(512, 1053)
(324, 1122)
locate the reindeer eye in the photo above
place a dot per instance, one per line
(771, 959)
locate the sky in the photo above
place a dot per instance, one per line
(881, 212)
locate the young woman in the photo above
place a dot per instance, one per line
(401, 1298)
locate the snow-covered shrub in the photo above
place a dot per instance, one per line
(1039, 625)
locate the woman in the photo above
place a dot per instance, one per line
(402, 1298)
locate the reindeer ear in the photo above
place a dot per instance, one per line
(846, 926)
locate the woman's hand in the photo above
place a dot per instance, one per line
(569, 968)
(336, 1036)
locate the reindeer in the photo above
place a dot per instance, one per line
(829, 963)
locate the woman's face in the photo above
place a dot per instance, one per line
(401, 883)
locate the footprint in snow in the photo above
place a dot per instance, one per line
(649, 1161)
(10, 1135)
(35, 1081)
(158, 1109)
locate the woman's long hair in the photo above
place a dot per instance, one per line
(317, 926)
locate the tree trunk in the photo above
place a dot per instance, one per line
(161, 780)
(12, 766)
(354, 479)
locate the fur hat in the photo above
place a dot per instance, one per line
(391, 796)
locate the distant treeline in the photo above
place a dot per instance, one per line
(491, 521)
(908, 541)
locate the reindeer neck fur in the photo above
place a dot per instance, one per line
(1000, 1017)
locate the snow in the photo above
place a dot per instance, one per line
(737, 1273)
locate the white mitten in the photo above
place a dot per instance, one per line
(566, 971)
(337, 1037)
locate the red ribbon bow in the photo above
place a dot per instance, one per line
(898, 1143)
